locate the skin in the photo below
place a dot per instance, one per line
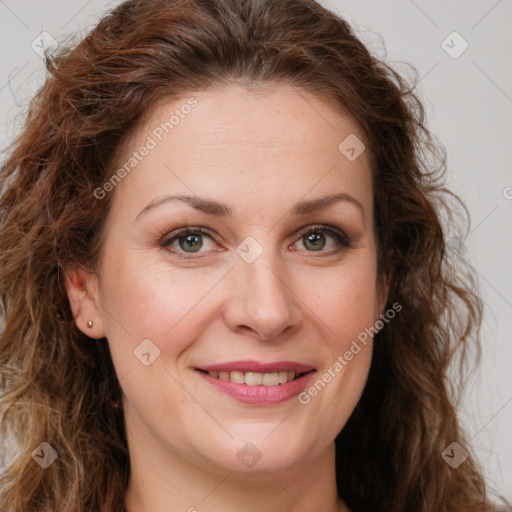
(292, 303)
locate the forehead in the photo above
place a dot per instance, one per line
(274, 140)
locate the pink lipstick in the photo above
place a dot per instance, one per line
(258, 383)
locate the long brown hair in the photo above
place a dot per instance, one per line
(59, 387)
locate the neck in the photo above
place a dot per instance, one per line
(162, 481)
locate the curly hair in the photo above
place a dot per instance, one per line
(59, 388)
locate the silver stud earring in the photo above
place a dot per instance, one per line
(89, 324)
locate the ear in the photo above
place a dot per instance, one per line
(82, 291)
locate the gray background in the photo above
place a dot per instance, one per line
(469, 106)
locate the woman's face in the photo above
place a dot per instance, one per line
(248, 294)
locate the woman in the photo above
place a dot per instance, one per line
(224, 276)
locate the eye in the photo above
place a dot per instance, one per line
(315, 238)
(188, 240)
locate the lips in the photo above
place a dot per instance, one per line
(258, 383)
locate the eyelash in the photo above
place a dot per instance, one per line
(343, 240)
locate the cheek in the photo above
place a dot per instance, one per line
(347, 311)
(143, 301)
(152, 299)
(344, 299)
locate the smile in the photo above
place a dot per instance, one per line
(258, 383)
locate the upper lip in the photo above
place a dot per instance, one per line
(258, 367)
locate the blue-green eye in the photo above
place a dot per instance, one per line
(314, 238)
(190, 240)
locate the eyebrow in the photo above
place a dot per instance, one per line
(212, 207)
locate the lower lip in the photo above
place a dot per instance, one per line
(259, 395)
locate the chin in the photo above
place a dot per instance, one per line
(259, 449)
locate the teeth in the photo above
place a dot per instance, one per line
(283, 377)
(270, 379)
(255, 379)
(238, 377)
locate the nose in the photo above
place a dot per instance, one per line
(261, 299)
